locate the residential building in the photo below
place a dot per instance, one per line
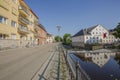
(42, 35)
(92, 35)
(50, 38)
(18, 25)
(23, 20)
(9, 22)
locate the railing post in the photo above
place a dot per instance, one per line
(77, 63)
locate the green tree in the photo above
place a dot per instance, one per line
(66, 39)
(117, 31)
(58, 39)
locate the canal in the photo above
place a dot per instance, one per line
(99, 66)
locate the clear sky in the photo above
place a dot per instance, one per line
(74, 15)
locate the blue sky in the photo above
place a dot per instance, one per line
(74, 15)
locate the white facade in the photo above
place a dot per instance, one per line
(50, 38)
(96, 34)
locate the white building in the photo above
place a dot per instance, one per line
(50, 38)
(95, 34)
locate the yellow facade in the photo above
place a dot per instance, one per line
(9, 11)
(18, 22)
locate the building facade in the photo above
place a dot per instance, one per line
(42, 35)
(17, 24)
(92, 35)
(50, 38)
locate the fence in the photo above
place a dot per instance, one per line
(75, 70)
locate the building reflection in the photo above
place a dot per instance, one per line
(98, 58)
(117, 58)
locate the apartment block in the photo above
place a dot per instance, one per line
(8, 23)
(17, 24)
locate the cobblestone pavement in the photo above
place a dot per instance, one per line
(55, 68)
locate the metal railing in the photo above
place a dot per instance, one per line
(24, 9)
(23, 29)
(24, 20)
(75, 69)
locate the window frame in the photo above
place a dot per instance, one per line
(13, 24)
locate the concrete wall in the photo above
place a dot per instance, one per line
(9, 43)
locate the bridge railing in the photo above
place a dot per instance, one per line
(75, 70)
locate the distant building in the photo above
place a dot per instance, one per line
(50, 38)
(42, 35)
(92, 35)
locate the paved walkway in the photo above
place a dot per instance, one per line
(54, 69)
(36, 63)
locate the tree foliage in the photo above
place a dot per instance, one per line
(117, 31)
(66, 39)
(58, 39)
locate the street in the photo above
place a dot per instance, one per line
(23, 63)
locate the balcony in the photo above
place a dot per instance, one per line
(36, 35)
(23, 30)
(23, 10)
(36, 28)
(23, 20)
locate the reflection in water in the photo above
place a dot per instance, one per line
(100, 65)
(98, 58)
(117, 58)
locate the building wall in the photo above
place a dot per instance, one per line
(9, 10)
(78, 39)
(26, 21)
(43, 35)
(96, 36)
(50, 39)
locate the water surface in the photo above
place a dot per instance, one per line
(100, 66)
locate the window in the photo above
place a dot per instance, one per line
(97, 37)
(31, 38)
(13, 23)
(13, 36)
(15, 1)
(3, 20)
(86, 37)
(2, 36)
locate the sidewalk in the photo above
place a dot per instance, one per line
(54, 68)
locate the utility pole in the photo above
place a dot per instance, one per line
(58, 28)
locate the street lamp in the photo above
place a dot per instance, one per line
(58, 28)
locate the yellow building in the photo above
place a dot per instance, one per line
(18, 24)
(9, 36)
(27, 21)
(8, 19)
(23, 21)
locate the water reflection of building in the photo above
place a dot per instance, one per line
(99, 58)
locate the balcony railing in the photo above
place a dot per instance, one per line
(36, 35)
(24, 9)
(36, 28)
(23, 29)
(24, 20)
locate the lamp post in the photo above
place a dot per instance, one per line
(58, 28)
